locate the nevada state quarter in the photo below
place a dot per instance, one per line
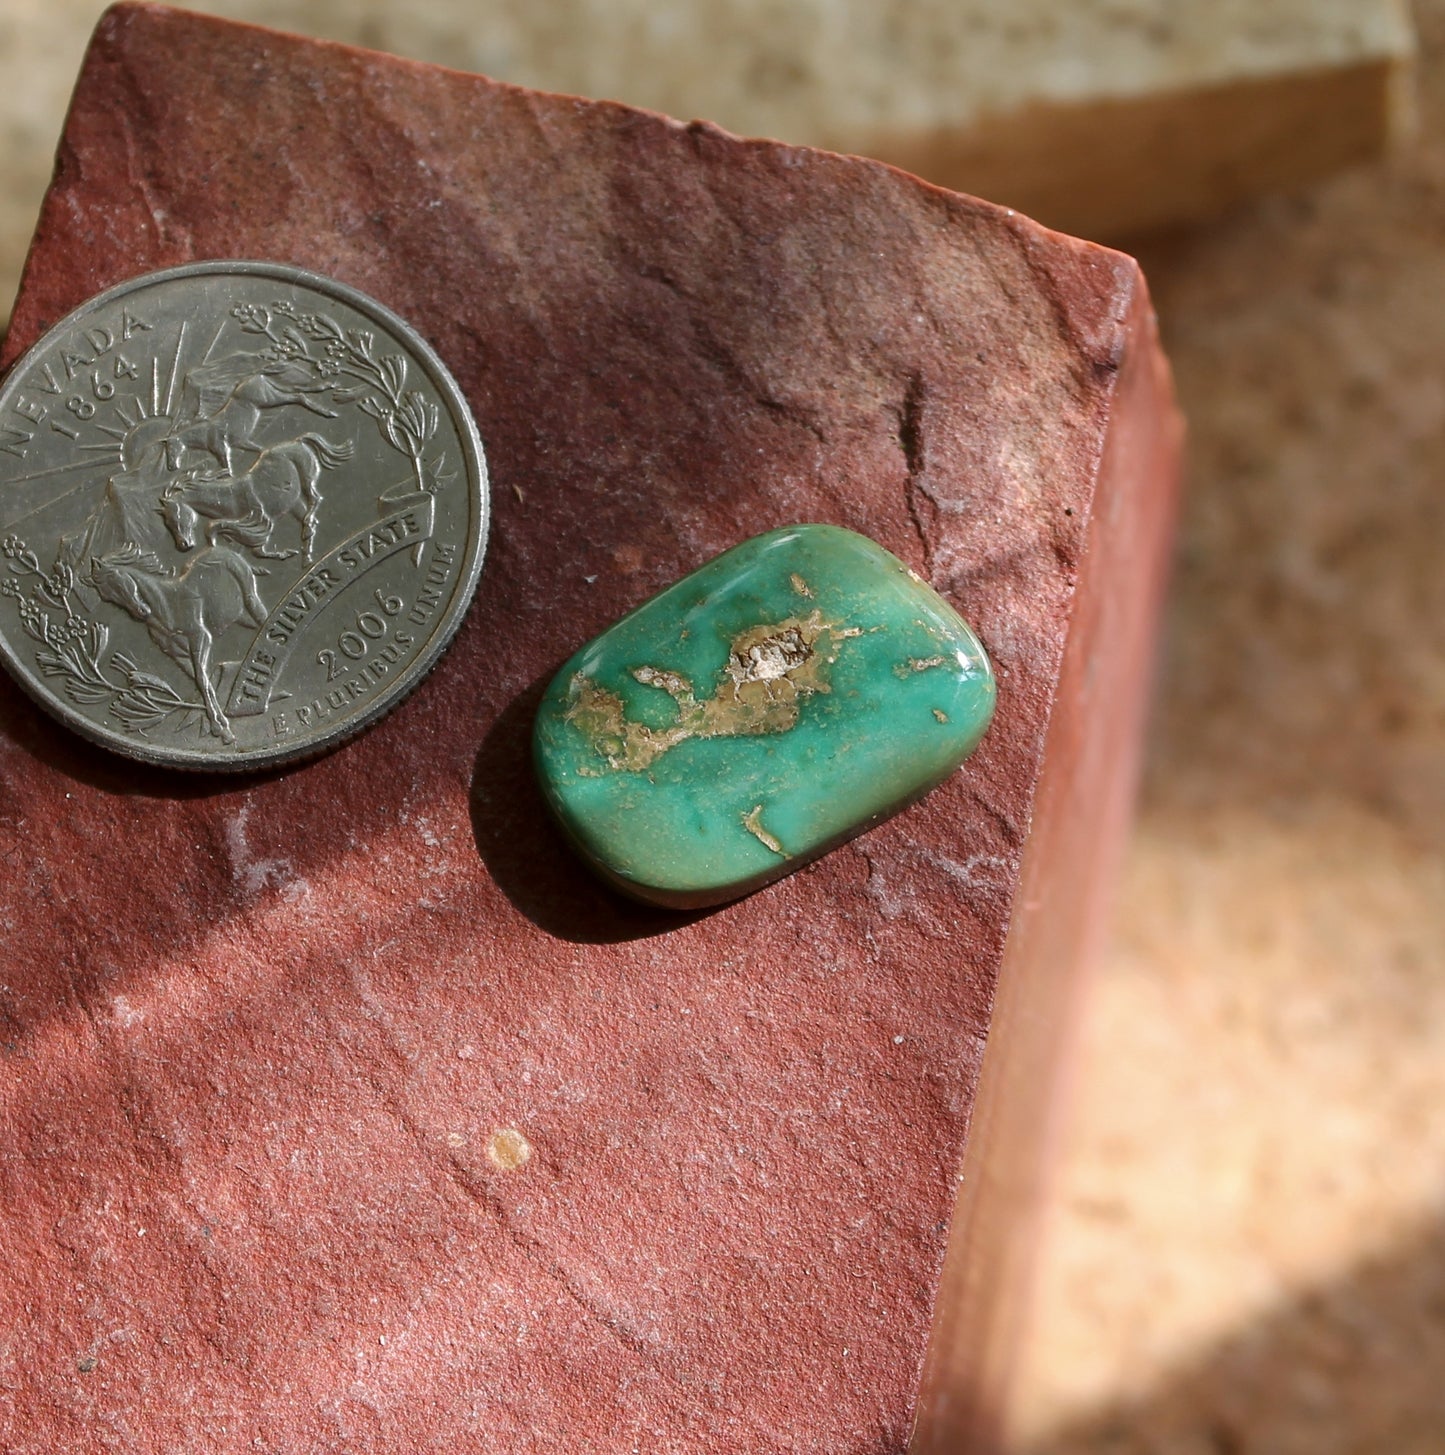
(242, 511)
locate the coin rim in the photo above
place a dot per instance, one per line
(406, 682)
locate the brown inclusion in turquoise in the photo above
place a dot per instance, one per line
(786, 695)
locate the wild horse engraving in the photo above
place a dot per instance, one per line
(283, 481)
(223, 401)
(185, 611)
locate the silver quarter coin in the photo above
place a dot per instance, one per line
(243, 509)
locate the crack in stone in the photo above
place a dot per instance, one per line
(538, 1254)
(717, 354)
(1013, 834)
(910, 438)
(474, 1188)
(1103, 364)
(160, 218)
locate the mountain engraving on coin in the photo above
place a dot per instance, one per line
(242, 511)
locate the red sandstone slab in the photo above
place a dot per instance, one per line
(257, 1039)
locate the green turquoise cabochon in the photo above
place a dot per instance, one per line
(790, 693)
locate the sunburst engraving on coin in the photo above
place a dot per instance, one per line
(243, 509)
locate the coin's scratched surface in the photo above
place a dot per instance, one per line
(242, 510)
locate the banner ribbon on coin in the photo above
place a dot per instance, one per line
(405, 528)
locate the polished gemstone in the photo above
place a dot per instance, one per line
(790, 693)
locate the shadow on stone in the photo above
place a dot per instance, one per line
(527, 855)
(30, 727)
(1350, 1367)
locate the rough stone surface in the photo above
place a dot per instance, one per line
(1086, 114)
(343, 1109)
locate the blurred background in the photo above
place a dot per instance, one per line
(1246, 1253)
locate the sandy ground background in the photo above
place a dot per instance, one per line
(1248, 1256)
(1247, 1253)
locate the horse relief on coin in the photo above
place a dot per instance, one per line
(242, 511)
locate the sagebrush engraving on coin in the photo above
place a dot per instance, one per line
(242, 509)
